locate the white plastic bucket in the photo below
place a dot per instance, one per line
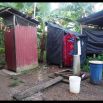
(74, 84)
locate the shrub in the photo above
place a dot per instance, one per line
(2, 50)
(85, 67)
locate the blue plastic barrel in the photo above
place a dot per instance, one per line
(96, 72)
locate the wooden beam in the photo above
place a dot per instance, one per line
(65, 81)
(63, 71)
(29, 92)
(52, 75)
(36, 96)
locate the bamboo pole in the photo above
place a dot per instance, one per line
(34, 6)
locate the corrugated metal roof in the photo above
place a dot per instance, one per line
(10, 11)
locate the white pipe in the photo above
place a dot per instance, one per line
(81, 28)
(76, 64)
(79, 47)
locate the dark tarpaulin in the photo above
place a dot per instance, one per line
(83, 40)
(54, 44)
(94, 40)
(54, 47)
(94, 19)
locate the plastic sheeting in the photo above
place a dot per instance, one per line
(68, 49)
(94, 40)
(94, 19)
(55, 45)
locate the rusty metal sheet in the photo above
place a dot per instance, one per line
(26, 45)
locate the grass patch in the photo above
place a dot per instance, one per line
(25, 71)
(2, 50)
(13, 77)
(43, 57)
(15, 81)
(2, 62)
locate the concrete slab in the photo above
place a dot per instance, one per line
(9, 72)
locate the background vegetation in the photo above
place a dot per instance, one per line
(66, 16)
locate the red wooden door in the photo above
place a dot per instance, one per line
(9, 41)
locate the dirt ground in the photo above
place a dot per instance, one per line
(60, 91)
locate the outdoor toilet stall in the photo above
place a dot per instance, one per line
(20, 41)
(62, 45)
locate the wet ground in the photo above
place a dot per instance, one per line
(60, 91)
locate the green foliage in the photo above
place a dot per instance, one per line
(85, 67)
(1, 40)
(15, 83)
(14, 77)
(2, 58)
(66, 15)
(2, 62)
(99, 57)
(2, 50)
(2, 37)
(43, 10)
(43, 57)
(25, 71)
(70, 12)
(17, 6)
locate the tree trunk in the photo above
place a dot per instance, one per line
(42, 47)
